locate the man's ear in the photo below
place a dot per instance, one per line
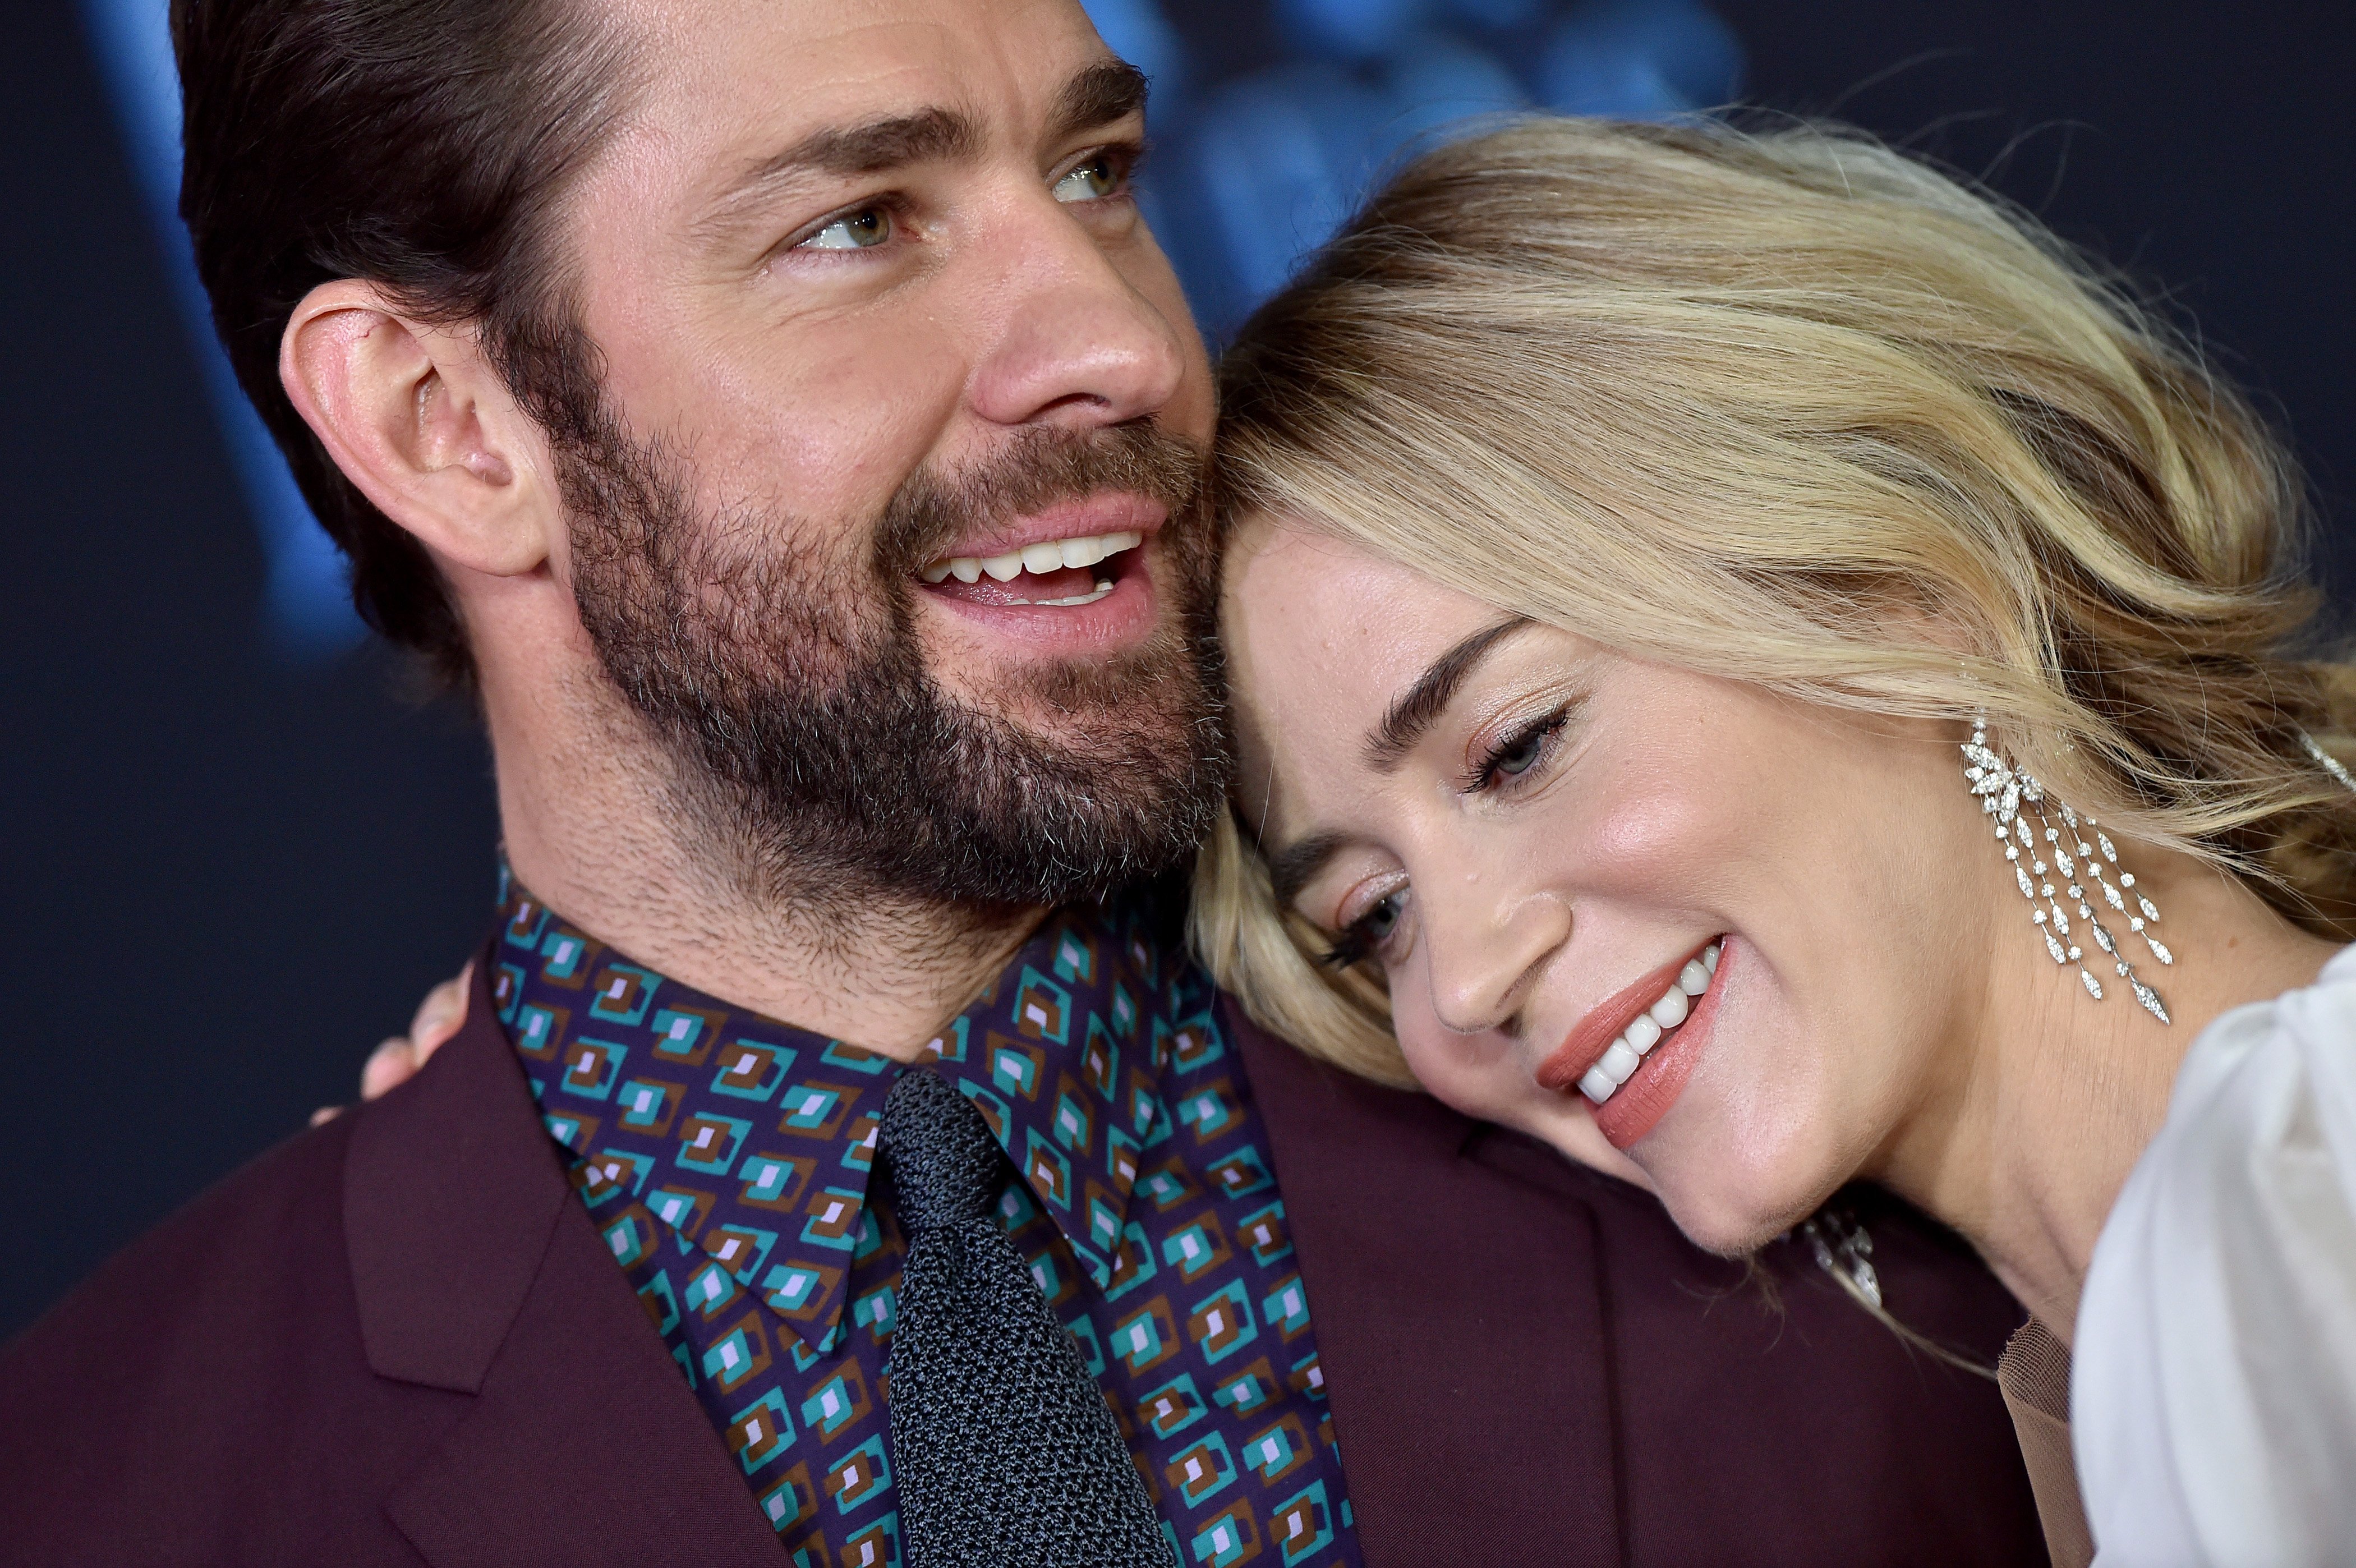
(418, 418)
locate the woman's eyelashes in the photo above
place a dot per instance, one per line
(1516, 756)
(1516, 759)
(1366, 936)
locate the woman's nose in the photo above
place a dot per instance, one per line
(1484, 947)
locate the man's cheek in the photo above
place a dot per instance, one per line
(824, 435)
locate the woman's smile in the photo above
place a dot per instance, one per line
(1646, 579)
(1632, 1054)
(1502, 825)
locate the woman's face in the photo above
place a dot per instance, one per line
(1741, 937)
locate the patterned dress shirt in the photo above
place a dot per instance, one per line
(726, 1159)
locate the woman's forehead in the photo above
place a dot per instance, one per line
(1321, 639)
(1311, 618)
(1283, 564)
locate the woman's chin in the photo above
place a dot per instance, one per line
(1728, 1236)
(1730, 1213)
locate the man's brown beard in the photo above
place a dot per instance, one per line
(819, 753)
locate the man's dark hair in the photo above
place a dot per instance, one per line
(420, 144)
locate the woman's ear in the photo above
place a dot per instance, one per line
(418, 419)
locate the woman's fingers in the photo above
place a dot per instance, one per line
(396, 1061)
(438, 1017)
(389, 1067)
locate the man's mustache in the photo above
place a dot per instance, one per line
(1037, 468)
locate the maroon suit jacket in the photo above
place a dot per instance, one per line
(396, 1338)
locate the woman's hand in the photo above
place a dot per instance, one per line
(394, 1062)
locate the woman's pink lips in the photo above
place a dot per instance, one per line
(1638, 1106)
(1606, 1022)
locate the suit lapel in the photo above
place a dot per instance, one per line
(585, 1445)
(1461, 1322)
(475, 1270)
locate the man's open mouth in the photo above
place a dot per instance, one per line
(1059, 572)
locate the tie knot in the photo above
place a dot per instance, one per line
(945, 1166)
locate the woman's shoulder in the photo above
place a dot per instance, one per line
(2255, 1164)
(2213, 1396)
(2257, 1061)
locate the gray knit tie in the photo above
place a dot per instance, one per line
(1005, 1450)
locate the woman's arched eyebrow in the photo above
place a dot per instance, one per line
(1419, 707)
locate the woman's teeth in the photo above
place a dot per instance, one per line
(1052, 555)
(1651, 1026)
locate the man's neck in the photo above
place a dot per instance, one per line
(597, 828)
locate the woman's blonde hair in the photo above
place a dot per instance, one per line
(1725, 401)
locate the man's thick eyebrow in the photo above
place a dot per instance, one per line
(1107, 90)
(1099, 94)
(1420, 706)
(892, 141)
(1291, 867)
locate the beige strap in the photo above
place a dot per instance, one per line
(2034, 1374)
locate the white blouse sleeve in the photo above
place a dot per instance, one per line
(2213, 1394)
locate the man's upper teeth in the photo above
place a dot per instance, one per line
(1621, 1058)
(1053, 556)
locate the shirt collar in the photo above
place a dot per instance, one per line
(755, 1140)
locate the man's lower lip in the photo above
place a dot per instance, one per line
(1638, 1106)
(1121, 617)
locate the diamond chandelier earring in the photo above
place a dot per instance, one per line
(2040, 854)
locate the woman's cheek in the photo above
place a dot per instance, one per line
(1479, 1076)
(1475, 1074)
(1754, 1142)
(1651, 839)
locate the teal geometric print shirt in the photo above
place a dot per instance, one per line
(726, 1158)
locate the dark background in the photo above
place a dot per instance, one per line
(228, 874)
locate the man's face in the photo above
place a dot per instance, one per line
(877, 313)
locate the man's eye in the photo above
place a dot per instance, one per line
(1100, 177)
(860, 231)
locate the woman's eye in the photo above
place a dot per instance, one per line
(1365, 936)
(1093, 180)
(1519, 756)
(1519, 752)
(860, 231)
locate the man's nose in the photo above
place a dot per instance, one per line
(1079, 344)
(1485, 947)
